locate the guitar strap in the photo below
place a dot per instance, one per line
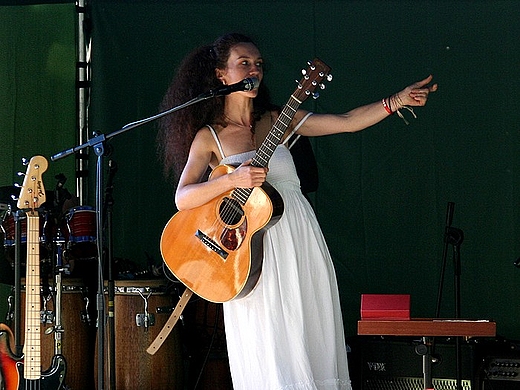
(167, 328)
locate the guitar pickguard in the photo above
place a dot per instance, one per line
(232, 238)
(12, 370)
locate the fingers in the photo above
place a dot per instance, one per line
(419, 90)
(423, 85)
(247, 162)
(247, 176)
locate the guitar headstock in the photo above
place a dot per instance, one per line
(32, 194)
(312, 79)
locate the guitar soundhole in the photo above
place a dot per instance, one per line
(230, 212)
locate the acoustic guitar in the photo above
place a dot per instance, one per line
(24, 372)
(216, 249)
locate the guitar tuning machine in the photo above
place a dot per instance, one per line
(25, 162)
(311, 65)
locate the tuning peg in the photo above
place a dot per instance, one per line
(25, 162)
(20, 174)
(315, 95)
(329, 77)
(322, 86)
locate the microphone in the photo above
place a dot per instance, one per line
(248, 84)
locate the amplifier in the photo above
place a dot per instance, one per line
(414, 384)
(394, 364)
(501, 373)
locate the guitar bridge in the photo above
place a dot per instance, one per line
(211, 244)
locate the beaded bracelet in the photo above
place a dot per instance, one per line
(386, 107)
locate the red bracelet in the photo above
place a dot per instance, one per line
(385, 105)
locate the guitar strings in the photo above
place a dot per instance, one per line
(229, 211)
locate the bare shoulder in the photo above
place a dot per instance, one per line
(204, 146)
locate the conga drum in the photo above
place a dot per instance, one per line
(77, 338)
(141, 309)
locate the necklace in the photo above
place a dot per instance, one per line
(238, 124)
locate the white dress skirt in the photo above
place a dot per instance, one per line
(287, 334)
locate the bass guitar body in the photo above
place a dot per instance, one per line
(13, 370)
(216, 249)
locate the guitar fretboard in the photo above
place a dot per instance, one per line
(32, 357)
(266, 150)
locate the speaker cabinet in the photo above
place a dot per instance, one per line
(501, 373)
(394, 364)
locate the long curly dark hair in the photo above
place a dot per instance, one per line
(196, 75)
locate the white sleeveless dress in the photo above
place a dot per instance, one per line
(287, 334)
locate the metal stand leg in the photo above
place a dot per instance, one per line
(424, 350)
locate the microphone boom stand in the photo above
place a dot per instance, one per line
(97, 143)
(454, 237)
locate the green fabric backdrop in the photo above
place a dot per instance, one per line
(37, 96)
(383, 192)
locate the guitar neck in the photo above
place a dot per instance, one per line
(32, 363)
(312, 78)
(266, 150)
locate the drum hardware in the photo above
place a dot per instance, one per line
(6, 210)
(145, 319)
(164, 310)
(60, 265)
(133, 301)
(10, 309)
(46, 316)
(58, 327)
(85, 317)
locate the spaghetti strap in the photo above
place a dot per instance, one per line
(286, 140)
(217, 141)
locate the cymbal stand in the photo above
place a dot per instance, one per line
(59, 270)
